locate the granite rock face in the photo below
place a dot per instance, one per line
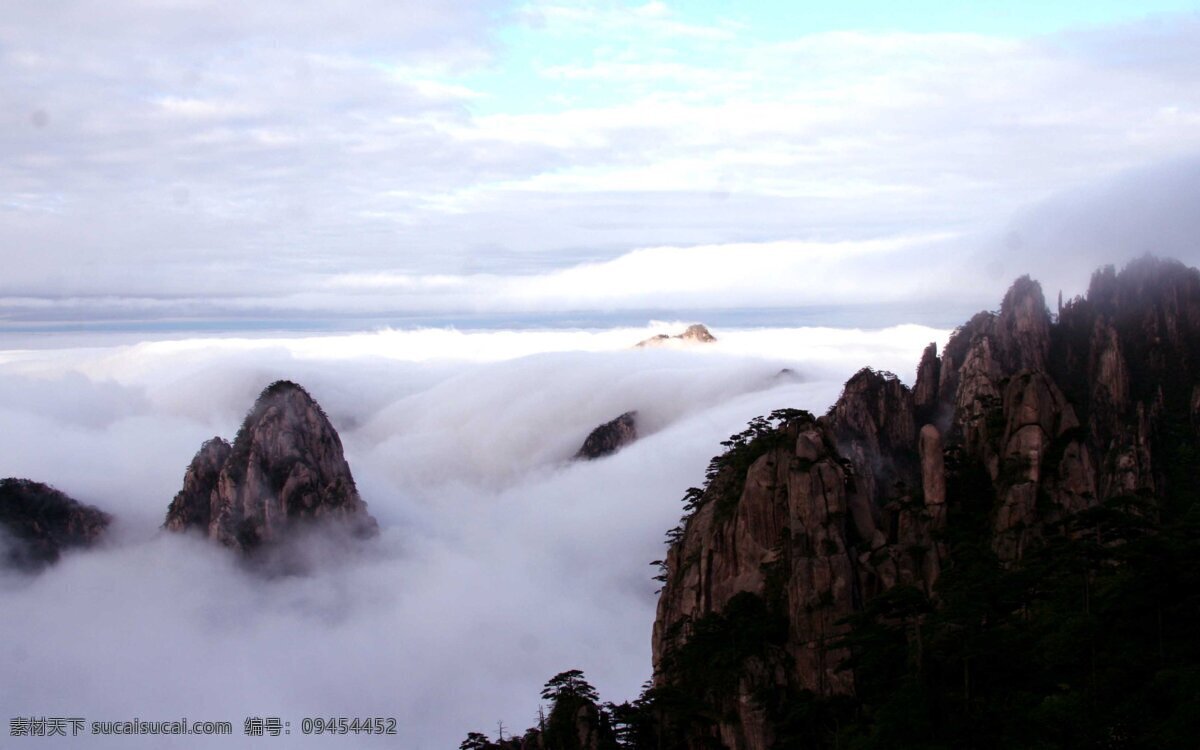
(786, 520)
(39, 523)
(1046, 417)
(284, 470)
(925, 388)
(609, 437)
(192, 506)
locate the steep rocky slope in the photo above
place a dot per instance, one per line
(38, 522)
(808, 528)
(609, 437)
(284, 468)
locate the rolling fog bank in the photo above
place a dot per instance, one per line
(500, 562)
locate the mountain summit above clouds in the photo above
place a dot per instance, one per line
(284, 469)
(693, 334)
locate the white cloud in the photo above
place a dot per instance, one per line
(1148, 210)
(500, 563)
(186, 157)
(782, 274)
(768, 272)
(189, 107)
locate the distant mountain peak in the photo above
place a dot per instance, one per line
(693, 334)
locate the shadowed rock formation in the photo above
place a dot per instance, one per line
(610, 437)
(39, 523)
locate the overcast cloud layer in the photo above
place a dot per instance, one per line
(500, 561)
(280, 159)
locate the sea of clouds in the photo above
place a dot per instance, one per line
(500, 563)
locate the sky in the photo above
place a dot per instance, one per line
(216, 163)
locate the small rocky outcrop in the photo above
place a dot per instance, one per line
(1025, 420)
(693, 334)
(40, 522)
(609, 437)
(284, 470)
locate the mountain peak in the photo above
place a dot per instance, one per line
(286, 466)
(697, 333)
(1023, 326)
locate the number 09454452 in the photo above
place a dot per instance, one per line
(345, 725)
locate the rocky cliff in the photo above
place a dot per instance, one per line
(807, 528)
(284, 469)
(38, 523)
(609, 437)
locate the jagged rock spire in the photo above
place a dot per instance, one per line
(285, 466)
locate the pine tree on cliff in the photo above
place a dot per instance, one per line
(575, 721)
